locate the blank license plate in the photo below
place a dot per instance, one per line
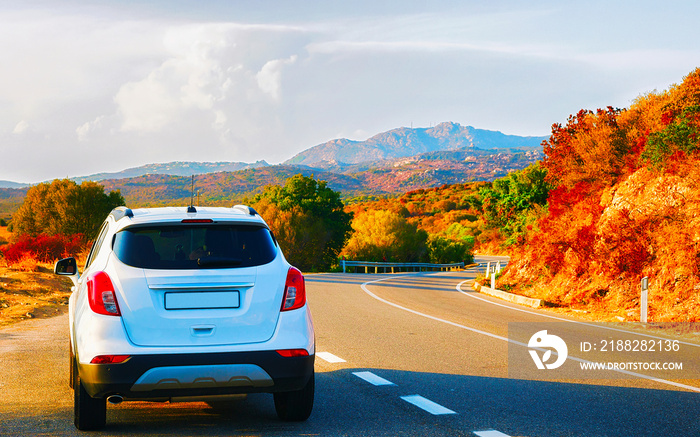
(202, 300)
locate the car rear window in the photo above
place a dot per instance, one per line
(194, 246)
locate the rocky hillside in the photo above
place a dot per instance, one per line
(625, 205)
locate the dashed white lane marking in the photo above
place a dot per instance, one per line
(490, 433)
(329, 357)
(427, 405)
(372, 378)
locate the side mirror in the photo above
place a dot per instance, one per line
(67, 267)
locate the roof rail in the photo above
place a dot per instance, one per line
(120, 212)
(245, 209)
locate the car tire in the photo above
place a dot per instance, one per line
(89, 413)
(71, 364)
(295, 406)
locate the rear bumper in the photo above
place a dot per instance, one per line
(189, 375)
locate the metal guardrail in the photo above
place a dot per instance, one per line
(408, 267)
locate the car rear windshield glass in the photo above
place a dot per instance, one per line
(194, 246)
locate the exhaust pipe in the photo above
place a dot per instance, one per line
(115, 399)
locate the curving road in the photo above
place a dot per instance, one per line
(402, 354)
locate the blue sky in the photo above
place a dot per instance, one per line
(93, 86)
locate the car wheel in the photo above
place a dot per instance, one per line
(89, 413)
(296, 406)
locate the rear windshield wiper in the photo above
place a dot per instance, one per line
(218, 261)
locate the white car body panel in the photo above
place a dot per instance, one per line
(105, 335)
(141, 297)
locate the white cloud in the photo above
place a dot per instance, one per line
(128, 84)
(212, 69)
(219, 120)
(181, 82)
(408, 46)
(60, 59)
(84, 130)
(269, 77)
(20, 127)
(147, 105)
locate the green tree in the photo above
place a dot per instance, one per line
(509, 202)
(443, 250)
(308, 219)
(64, 207)
(680, 135)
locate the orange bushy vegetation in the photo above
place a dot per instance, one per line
(625, 204)
(441, 224)
(28, 287)
(42, 248)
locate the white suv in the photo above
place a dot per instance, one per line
(195, 303)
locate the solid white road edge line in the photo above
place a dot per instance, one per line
(329, 357)
(477, 331)
(372, 378)
(427, 405)
(437, 319)
(609, 328)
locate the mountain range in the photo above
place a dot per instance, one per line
(176, 168)
(391, 162)
(405, 142)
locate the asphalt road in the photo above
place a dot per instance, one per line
(397, 355)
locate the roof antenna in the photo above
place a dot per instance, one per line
(191, 208)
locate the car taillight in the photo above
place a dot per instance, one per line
(289, 353)
(294, 290)
(101, 295)
(109, 359)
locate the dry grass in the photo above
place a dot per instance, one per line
(32, 294)
(30, 289)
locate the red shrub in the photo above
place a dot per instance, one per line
(44, 248)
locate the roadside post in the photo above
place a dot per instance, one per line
(493, 280)
(644, 304)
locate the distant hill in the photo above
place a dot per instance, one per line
(392, 162)
(176, 168)
(348, 156)
(10, 200)
(435, 169)
(391, 177)
(404, 142)
(220, 188)
(10, 184)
